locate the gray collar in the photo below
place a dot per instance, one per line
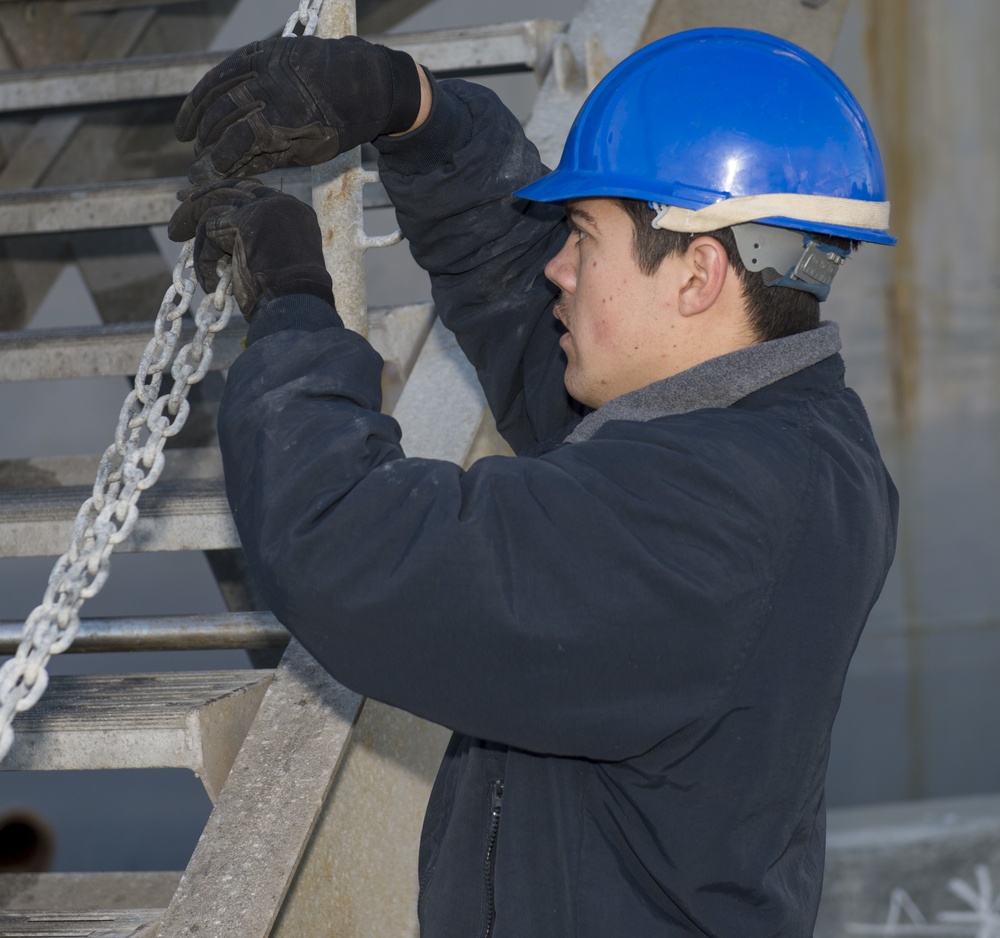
(719, 382)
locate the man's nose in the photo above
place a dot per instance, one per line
(560, 270)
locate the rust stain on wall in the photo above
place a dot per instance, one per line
(893, 47)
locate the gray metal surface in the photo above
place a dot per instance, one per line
(87, 890)
(136, 923)
(194, 720)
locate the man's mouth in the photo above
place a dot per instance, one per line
(560, 312)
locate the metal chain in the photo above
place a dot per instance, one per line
(306, 16)
(128, 467)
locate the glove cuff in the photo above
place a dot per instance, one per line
(405, 91)
(304, 313)
(305, 278)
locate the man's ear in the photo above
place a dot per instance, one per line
(707, 267)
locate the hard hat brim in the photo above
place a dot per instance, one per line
(561, 185)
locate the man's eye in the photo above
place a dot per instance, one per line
(579, 234)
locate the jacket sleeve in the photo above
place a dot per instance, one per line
(451, 182)
(563, 604)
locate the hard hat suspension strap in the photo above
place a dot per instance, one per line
(788, 258)
(821, 209)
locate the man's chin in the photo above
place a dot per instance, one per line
(577, 391)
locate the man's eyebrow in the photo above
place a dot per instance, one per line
(577, 214)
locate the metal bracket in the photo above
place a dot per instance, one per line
(366, 241)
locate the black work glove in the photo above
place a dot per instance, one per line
(296, 100)
(273, 238)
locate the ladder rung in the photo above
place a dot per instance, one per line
(196, 462)
(98, 351)
(116, 923)
(125, 204)
(477, 50)
(114, 350)
(195, 720)
(224, 630)
(188, 515)
(77, 891)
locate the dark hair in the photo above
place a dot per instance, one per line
(773, 312)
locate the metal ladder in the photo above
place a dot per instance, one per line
(313, 829)
(247, 875)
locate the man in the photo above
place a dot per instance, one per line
(639, 627)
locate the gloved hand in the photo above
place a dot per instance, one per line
(296, 100)
(273, 239)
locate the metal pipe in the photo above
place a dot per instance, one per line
(167, 633)
(336, 196)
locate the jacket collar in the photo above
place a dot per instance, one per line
(718, 382)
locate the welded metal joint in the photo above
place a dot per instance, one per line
(545, 34)
(572, 76)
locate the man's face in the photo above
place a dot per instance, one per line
(619, 327)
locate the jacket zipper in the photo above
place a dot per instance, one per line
(489, 863)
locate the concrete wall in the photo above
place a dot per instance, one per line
(922, 342)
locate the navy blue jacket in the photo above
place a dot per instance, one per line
(640, 639)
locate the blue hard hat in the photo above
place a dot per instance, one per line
(709, 115)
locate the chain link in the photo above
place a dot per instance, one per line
(128, 467)
(306, 16)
